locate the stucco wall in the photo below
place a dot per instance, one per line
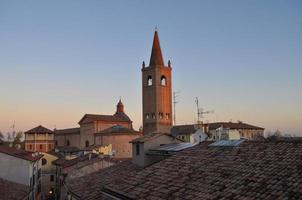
(15, 169)
(74, 140)
(120, 144)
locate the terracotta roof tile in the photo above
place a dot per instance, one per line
(252, 170)
(118, 129)
(20, 153)
(12, 191)
(118, 117)
(148, 137)
(232, 125)
(89, 187)
(39, 129)
(183, 130)
(68, 131)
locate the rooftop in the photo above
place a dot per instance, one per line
(20, 153)
(183, 129)
(251, 170)
(89, 187)
(232, 125)
(68, 131)
(39, 129)
(12, 191)
(148, 137)
(118, 129)
(118, 117)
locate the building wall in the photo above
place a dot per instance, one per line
(40, 146)
(120, 144)
(48, 172)
(142, 159)
(15, 169)
(74, 140)
(21, 171)
(232, 134)
(87, 134)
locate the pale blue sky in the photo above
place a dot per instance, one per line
(62, 59)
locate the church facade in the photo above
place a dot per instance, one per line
(101, 130)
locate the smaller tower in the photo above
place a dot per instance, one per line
(119, 107)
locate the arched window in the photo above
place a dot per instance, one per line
(160, 115)
(149, 80)
(87, 143)
(167, 115)
(163, 80)
(67, 143)
(147, 116)
(153, 115)
(44, 161)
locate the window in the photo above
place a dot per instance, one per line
(41, 146)
(160, 115)
(52, 178)
(30, 147)
(67, 142)
(56, 142)
(49, 146)
(153, 115)
(163, 80)
(167, 115)
(137, 149)
(147, 116)
(44, 161)
(87, 143)
(149, 80)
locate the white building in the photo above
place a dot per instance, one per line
(22, 167)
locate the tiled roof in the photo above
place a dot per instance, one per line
(118, 117)
(68, 163)
(13, 191)
(89, 187)
(232, 125)
(118, 129)
(252, 170)
(149, 136)
(68, 131)
(183, 130)
(39, 129)
(67, 149)
(20, 153)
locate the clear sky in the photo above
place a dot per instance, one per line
(62, 59)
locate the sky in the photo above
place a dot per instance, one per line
(62, 59)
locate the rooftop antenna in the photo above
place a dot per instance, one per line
(174, 105)
(200, 111)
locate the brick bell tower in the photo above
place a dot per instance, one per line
(157, 92)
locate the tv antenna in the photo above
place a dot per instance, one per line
(200, 111)
(174, 105)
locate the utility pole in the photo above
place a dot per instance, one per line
(174, 105)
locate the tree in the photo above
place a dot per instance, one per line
(1, 136)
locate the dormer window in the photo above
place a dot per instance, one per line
(163, 81)
(149, 81)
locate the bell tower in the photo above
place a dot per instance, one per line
(157, 92)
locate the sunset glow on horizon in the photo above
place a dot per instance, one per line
(61, 60)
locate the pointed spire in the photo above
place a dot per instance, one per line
(156, 54)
